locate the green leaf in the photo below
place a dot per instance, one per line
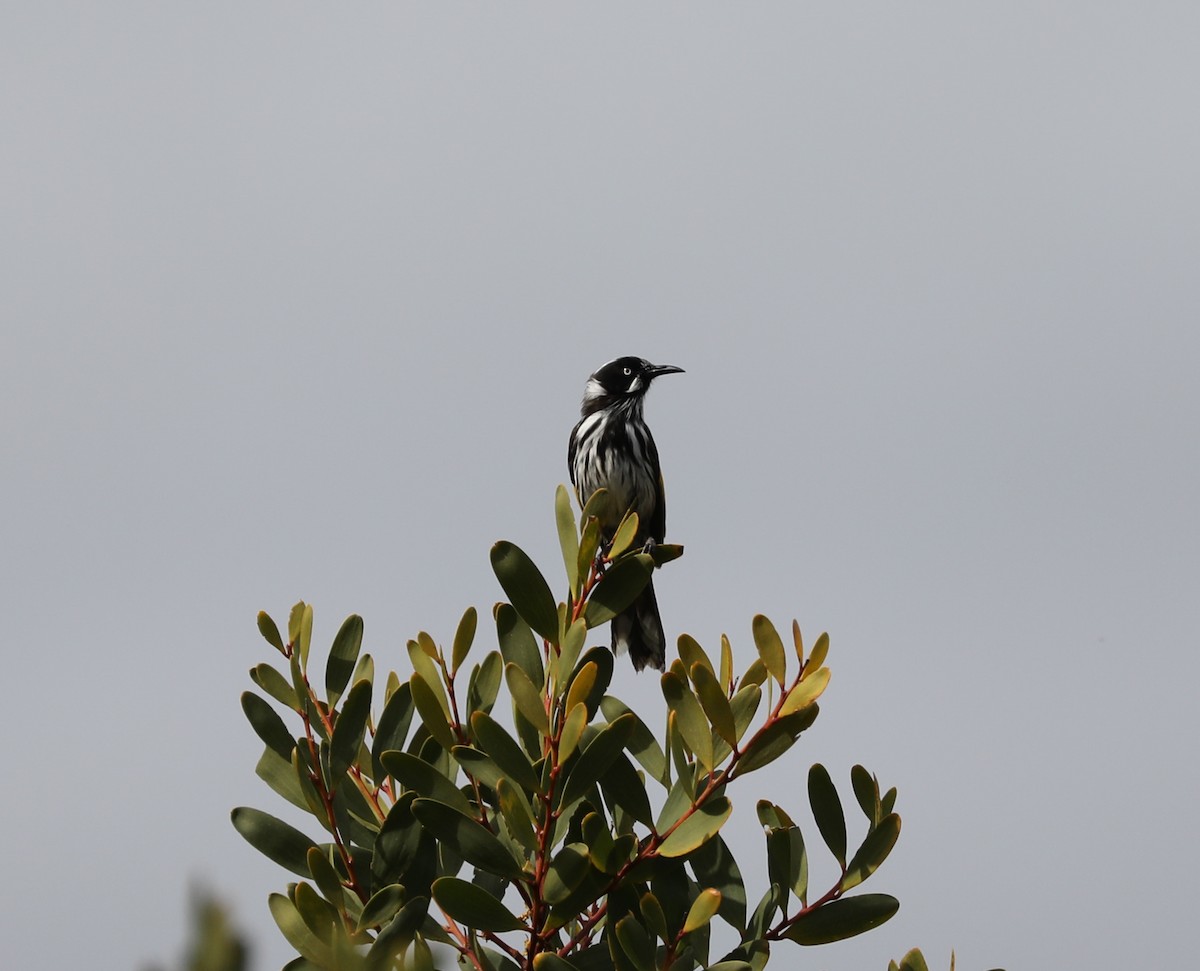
(765, 912)
(726, 672)
(364, 670)
(866, 791)
(485, 683)
(266, 627)
(665, 552)
(413, 773)
(697, 829)
(342, 657)
(691, 653)
(714, 866)
(572, 730)
(348, 731)
(618, 588)
(642, 744)
(478, 765)
(505, 752)
(548, 960)
(464, 636)
(594, 760)
(775, 739)
(274, 839)
(798, 643)
(516, 814)
(477, 844)
(420, 956)
(690, 718)
(744, 705)
(280, 775)
(526, 588)
(572, 644)
(827, 811)
(840, 919)
(703, 909)
(819, 652)
(779, 849)
(624, 536)
(888, 802)
(715, 703)
(431, 712)
(568, 536)
(422, 653)
(756, 673)
(806, 692)
(527, 698)
(581, 686)
(517, 644)
(566, 872)
(397, 935)
(325, 876)
(873, 852)
(602, 658)
(300, 630)
(770, 647)
(392, 730)
(382, 907)
(267, 724)
(652, 914)
(914, 960)
(275, 684)
(624, 788)
(589, 543)
(473, 906)
(297, 933)
(798, 863)
(403, 850)
(635, 942)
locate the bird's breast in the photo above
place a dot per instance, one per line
(615, 455)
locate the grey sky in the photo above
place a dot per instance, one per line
(299, 301)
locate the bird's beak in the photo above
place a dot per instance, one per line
(657, 369)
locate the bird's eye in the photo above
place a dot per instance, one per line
(628, 371)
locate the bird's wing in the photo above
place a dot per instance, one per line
(656, 529)
(572, 446)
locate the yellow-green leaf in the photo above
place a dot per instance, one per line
(770, 647)
(270, 633)
(464, 636)
(568, 536)
(706, 904)
(715, 703)
(806, 692)
(527, 698)
(624, 536)
(431, 712)
(704, 823)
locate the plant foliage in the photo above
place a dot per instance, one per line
(523, 833)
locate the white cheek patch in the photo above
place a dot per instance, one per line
(636, 384)
(593, 390)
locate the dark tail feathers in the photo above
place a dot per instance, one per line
(639, 630)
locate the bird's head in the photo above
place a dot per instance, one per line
(625, 379)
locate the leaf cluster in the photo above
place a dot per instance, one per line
(503, 815)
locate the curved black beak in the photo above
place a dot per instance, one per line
(657, 369)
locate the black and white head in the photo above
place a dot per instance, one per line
(625, 380)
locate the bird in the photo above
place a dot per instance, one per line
(611, 448)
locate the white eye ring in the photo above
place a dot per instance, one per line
(628, 371)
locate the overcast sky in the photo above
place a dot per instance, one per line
(299, 301)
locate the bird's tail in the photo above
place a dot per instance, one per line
(639, 630)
